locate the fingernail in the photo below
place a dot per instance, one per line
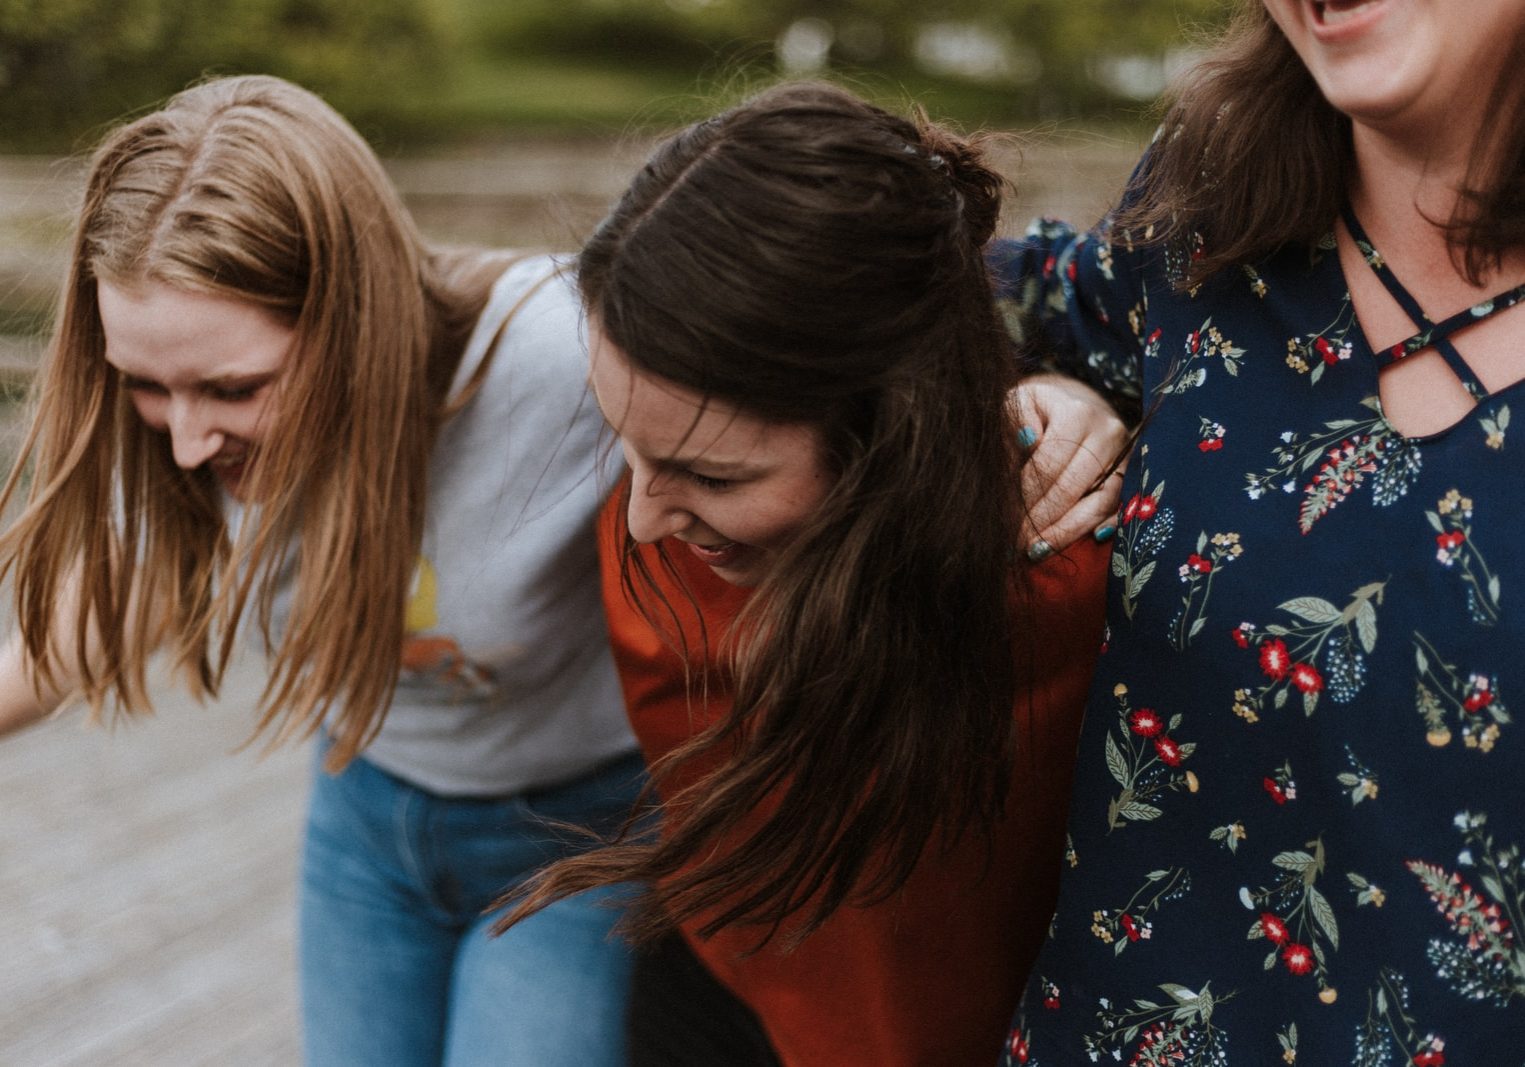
(1039, 550)
(1027, 437)
(1105, 533)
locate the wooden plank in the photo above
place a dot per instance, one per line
(147, 881)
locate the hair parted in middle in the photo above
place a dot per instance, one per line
(812, 259)
(254, 189)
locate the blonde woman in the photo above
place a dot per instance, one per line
(270, 407)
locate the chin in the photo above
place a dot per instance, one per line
(743, 577)
(1376, 101)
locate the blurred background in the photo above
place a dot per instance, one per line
(417, 73)
(146, 872)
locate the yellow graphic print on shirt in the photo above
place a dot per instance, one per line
(436, 660)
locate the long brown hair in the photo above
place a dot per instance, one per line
(1251, 157)
(812, 259)
(255, 189)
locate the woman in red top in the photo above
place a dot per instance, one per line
(859, 700)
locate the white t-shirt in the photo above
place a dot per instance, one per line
(507, 681)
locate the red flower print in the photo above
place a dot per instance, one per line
(1274, 929)
(1430, 1059)
(1130, 926)
(1298, 958)
(1051, 1003)
(1326, 350)
(1194, 342)
(1018, 1047)
(1307, 678)
(1168, 751)
(1048, 267)
(1212, 444)
(1397, 351)
(1069, 270)
(1146, 722)
(1450, 539)
(1477, 701)
(1241, 634)
(1275, 790)
(1197, 563)
(1139, 507)
(1274, 659)
(1155, 335)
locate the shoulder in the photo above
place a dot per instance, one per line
(530, 329)
(544, 283)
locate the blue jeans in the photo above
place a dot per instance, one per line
(397, 968)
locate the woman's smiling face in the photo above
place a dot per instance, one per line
(199, 368)
(1414, 67)
(734, 488)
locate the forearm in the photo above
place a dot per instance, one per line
(1068, 301)
(21, 705)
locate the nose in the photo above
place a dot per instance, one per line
(194, 438)
(652, 514)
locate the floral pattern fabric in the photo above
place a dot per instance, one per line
(1296, 829)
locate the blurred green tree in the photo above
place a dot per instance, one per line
(1061, 56)
(411, 69)
(68, 65)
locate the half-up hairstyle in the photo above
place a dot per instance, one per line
(813, 260)
(254, 189)
(1251, 157)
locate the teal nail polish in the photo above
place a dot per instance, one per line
(1027, 437)
(1039, 550)
(1106, 532)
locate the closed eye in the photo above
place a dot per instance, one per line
(141, 385)
(707, 482)
(234, 393)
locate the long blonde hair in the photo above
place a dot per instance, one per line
(255, 189)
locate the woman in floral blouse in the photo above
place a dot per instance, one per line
(1296, 828)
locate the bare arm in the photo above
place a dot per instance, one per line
(20, 704)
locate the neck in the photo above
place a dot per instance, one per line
(1399, 177)
(1405, 189)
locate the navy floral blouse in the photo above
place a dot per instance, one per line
(1296, 830)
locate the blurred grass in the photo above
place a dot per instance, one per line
(489, 98)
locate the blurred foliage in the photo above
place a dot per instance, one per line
(67, 66)
(410, 71)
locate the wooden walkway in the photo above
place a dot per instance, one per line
(147, 874)
(146, 890)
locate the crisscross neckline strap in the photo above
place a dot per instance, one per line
(1431, 334)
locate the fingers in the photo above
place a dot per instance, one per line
(1073, 439)
(1093, 516)
(1071, 505)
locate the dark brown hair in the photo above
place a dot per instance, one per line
(812, 259)
(250, 188)
(1250, 157)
